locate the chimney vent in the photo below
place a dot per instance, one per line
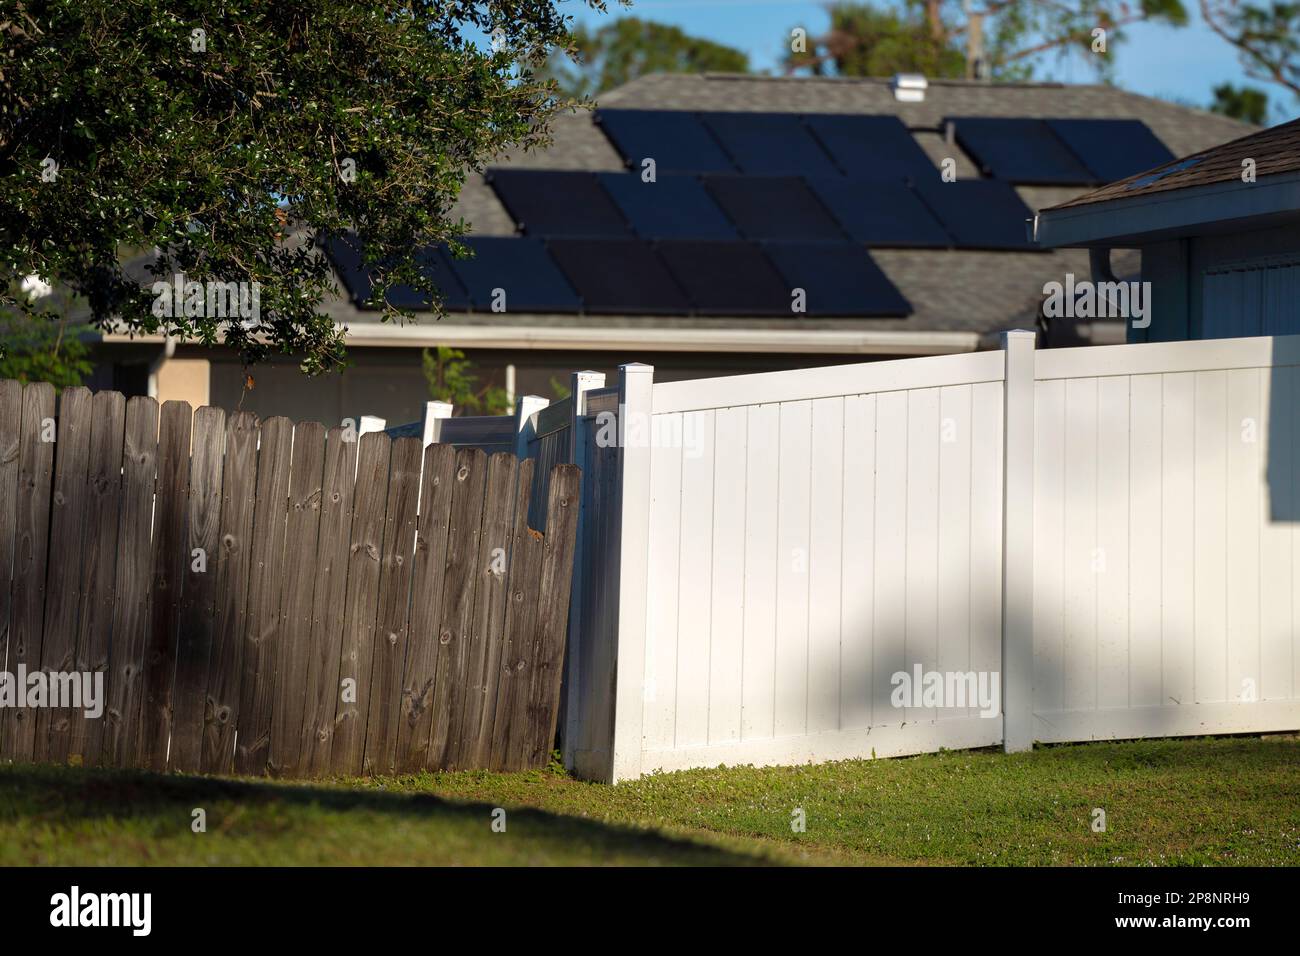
(909, 87)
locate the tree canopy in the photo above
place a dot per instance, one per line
(232, 136)
(1267, 38)
(624, 49)
(930, 36)
(1243, 103)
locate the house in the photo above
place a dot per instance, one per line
(795, 222)
(1218, 232)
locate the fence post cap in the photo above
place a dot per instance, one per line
(526, 405)
(1018, 335)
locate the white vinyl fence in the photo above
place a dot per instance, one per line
(1107, 533)
(1166, 555)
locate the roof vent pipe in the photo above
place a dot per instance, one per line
(909, 87)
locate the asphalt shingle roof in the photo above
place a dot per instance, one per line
(1275, 150)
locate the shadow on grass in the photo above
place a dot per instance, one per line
(57, 795)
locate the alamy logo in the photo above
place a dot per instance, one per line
(942, 689)
(639, 430)
(83, 690)
(75, 908)
(1098, 300)
(218, 300)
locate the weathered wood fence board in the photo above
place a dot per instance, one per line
(394, 602)
(547, 672)
(457, 601)
(171, 493)
(293, 648)
(328, 604)
(489, 608)
(198, 604)
(503, 533)
(266, 578)
(131, 605)
(95, 616)
(63, 579)
(226, 661)
(521, 616)
(31, 550)
(11, 419)
(370, 502)
(270, 598)
(415, 721)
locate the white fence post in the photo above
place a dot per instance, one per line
(1018, 543)
(525, 408)
(434, 413)
(581, 383)
(635, 386)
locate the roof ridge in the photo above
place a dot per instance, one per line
(883, 80)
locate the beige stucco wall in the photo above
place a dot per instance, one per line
(186, 380)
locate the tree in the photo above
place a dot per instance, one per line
(932, 36)
(868, 41)
(626, 48)
(1243, 103)
(450, 379)
(39, 350)
(234, 137)
(1267, 38)
(42, 343)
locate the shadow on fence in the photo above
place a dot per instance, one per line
(269, 598)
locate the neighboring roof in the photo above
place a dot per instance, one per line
(1201, 193)
(1274, 151)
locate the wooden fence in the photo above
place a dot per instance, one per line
(269, 598)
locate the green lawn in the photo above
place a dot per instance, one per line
(1229, 801)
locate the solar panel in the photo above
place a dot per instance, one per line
(838, 278)
(880, 213)
(727, 278)
(1024, 151)
(770, 144)
(345, 254)
(979, 213)
(877, 147)
(551, 202)
(772, 207)
(347, 259)
(619, 276)
(676, 140)
(672, 207)
(1112, 149)
(521, 268)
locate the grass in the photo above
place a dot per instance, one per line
(1226, 801)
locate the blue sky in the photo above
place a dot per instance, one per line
(1159, 61)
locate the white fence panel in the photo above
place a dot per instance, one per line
(805, 549)
(1165, 540)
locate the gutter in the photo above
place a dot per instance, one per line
(1169, 213)
(803, 341)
